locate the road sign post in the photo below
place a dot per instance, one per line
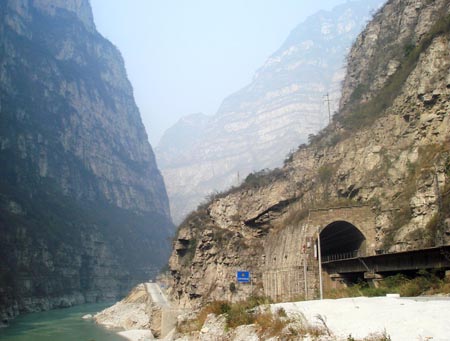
(243, 276)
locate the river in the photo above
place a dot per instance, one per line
(59, 325)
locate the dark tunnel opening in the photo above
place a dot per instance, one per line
(341, 239)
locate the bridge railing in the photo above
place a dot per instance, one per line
(341, 256)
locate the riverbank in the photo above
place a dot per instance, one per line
(136, 315)
(60, 324)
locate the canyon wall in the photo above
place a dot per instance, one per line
(84, 213)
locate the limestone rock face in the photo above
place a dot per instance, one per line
(377, 52)
(392, 168)
(84, 213)
(256, 127)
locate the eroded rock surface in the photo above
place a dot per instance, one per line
(394, 162)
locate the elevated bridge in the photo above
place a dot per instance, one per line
(352, 264)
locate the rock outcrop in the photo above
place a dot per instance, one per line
(134, 312)
(84, 214)
(257, 126)
(386, 153)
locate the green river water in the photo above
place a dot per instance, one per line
(59, 325)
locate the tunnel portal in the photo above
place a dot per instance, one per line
(341, 239)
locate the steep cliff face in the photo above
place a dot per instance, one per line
(378, 52)
(257, 126)
(384, 160)
(83, 208)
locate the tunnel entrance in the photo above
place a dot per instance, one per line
(341, 240)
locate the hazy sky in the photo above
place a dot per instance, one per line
(186, 56)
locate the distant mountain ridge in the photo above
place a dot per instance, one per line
(256, 127)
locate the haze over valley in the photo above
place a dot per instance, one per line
(292, 177)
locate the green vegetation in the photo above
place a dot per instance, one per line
(263, 178)
(363, 114)
(187, 255)
(289, 158)
(325, 173)
(424, 284)
(359, 91)
(196, 221)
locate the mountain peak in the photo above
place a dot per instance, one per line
(81, 9)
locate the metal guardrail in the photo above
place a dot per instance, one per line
(437, 257)
(341, 256)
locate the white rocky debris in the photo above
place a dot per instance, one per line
(361, 317)
(143, 315)
(401, 319)
(133, 312)
(137, 334)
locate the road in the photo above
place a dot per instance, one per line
(156, 294)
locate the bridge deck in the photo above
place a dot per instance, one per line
(430, 258)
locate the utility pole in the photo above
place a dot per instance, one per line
(319, 257)
(305, 274)
(305, 256)
(329, 110)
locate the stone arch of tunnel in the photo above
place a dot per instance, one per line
(341, 239)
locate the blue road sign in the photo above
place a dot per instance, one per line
(243, 276)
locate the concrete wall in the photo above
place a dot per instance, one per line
(361, 217)
(290, 255)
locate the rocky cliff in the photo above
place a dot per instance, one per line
(382, 166)
(84, 213)
(257, 126)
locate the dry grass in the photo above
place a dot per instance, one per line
(195, 324)
(269, 324)
(255, 311)
(287, 328)
(378, 336)
(424, 284)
